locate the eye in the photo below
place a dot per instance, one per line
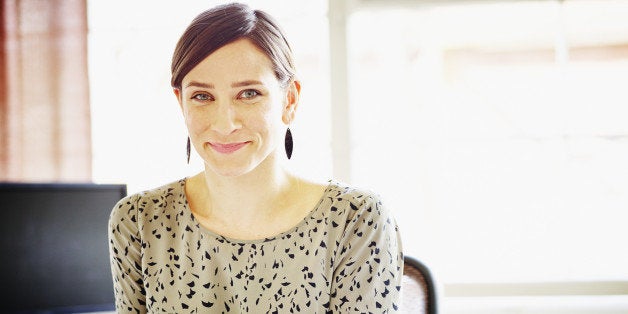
(202, 97)
(249, 94)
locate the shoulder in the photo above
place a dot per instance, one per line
(354, 202)
(148, 200)
(356, 196)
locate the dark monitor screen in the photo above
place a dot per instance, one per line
(54, 247)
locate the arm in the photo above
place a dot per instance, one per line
(125, 254)
(367, 277)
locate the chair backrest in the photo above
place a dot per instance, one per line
(418, 290)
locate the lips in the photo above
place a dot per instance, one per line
(227, 148)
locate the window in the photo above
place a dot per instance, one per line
(497, 133)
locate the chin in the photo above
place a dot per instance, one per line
(228, 170)
(237, 164)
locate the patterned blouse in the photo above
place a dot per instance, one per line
(344, 256)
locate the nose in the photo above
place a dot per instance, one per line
(225, 119)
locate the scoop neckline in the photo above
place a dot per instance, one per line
(330, 184)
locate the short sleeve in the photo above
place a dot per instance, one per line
(125, 245)
(369, 265)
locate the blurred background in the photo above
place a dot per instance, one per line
(496, 131)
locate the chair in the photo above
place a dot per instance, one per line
(418, 290)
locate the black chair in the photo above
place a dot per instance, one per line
(418, 289)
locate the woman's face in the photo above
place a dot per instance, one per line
(235, 109)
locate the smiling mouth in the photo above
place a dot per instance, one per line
(227, 148)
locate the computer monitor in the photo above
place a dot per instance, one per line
(54, 249)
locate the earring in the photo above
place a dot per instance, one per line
(288, 143)
(188, 149)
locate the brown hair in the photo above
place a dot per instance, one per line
(224, 24)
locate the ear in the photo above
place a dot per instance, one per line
(177, 93)
(293, 91)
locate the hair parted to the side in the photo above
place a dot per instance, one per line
(224, 24)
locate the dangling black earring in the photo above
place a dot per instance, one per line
(288, 143)
(188, 149)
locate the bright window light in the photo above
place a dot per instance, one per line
(497, 133)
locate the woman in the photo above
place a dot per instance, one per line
(245, 235)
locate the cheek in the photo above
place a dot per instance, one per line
(194, 123)
(279, 130)
(197, 120)
(268, 118)
(260, 122)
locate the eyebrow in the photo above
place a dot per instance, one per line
(236, 84)
(246, 83)
(199, 84)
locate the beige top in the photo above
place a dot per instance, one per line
(345, 256)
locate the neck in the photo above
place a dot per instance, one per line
(254, 194)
